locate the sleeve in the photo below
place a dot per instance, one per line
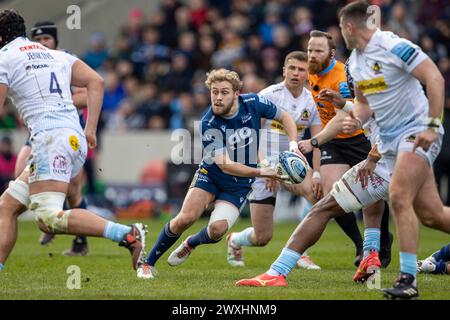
(267, 109)
(4, 72)
(212, 140)
(342, 86)
(405, 54)
(315, 118)
(70, 58)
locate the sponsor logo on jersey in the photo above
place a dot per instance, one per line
(32, 47)
(372, 86)
(411, 138)
(74, 144)
(203, 170)
(277, 126)
(60, 164)
(36, 66)
(246, 118)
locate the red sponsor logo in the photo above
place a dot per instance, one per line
(32, 47)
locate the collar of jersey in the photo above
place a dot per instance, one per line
(371, 40)
(11, 42)
(328, 69)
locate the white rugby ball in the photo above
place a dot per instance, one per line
(291, 165)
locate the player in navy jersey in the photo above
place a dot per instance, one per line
(230, 136)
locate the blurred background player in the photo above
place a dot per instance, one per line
(38, 80)
(46, 33)
(230, 135)
(437, 263)
(292, 97)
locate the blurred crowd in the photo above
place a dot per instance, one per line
(154, 73)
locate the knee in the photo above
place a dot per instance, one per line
(48, 212)
(262, 239)
(218, 229)
(397, 201)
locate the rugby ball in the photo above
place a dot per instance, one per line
(293, 167)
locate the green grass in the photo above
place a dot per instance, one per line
(37, 272)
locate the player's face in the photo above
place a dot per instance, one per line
(319, 55)
(222, 97)
(46, 40)
(346, 34)
(295, 73)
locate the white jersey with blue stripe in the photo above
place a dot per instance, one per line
(382, 72)
(39, 80)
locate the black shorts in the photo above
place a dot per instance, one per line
(349, 151)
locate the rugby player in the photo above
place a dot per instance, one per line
(437, 263)
(38, 80)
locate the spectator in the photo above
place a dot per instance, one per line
(402, 24)
(97, 53)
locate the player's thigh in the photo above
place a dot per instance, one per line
(409, 174)
(330, 173)
(262, 218)
(195, 202)
(76, 185)
(22, 158)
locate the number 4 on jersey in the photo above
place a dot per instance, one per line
(54, 85)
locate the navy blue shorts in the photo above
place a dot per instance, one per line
(223, 189)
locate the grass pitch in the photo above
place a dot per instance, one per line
(40, 272)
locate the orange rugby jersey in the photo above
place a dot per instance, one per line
(334, 78)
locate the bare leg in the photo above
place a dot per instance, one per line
(310, 230)
(409, 175)
(10, 209)
(262, 221)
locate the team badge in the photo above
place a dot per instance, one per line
(305, 115)
(377, 67)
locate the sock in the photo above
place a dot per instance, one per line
(243, 238)
(165, 240)
(441, 267)
(1, 267)
(201, 237)
(81, 239)
(408, 263)
(347, 222)
(115, 231)
(284, 263)
(371, 240)
(443, 254)
(306, 210)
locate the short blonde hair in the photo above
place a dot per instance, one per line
(219, 75)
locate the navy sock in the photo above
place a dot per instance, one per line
(165, 240)
(443, 254)
(201, 237)
(441, 267)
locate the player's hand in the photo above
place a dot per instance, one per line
(269, 172)
(316, 186)
(424, 140)
(305, 146)
(332, 96)
(293, 147)
(272, 185)
(365, 173)
(91, 137)
(351, 123)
